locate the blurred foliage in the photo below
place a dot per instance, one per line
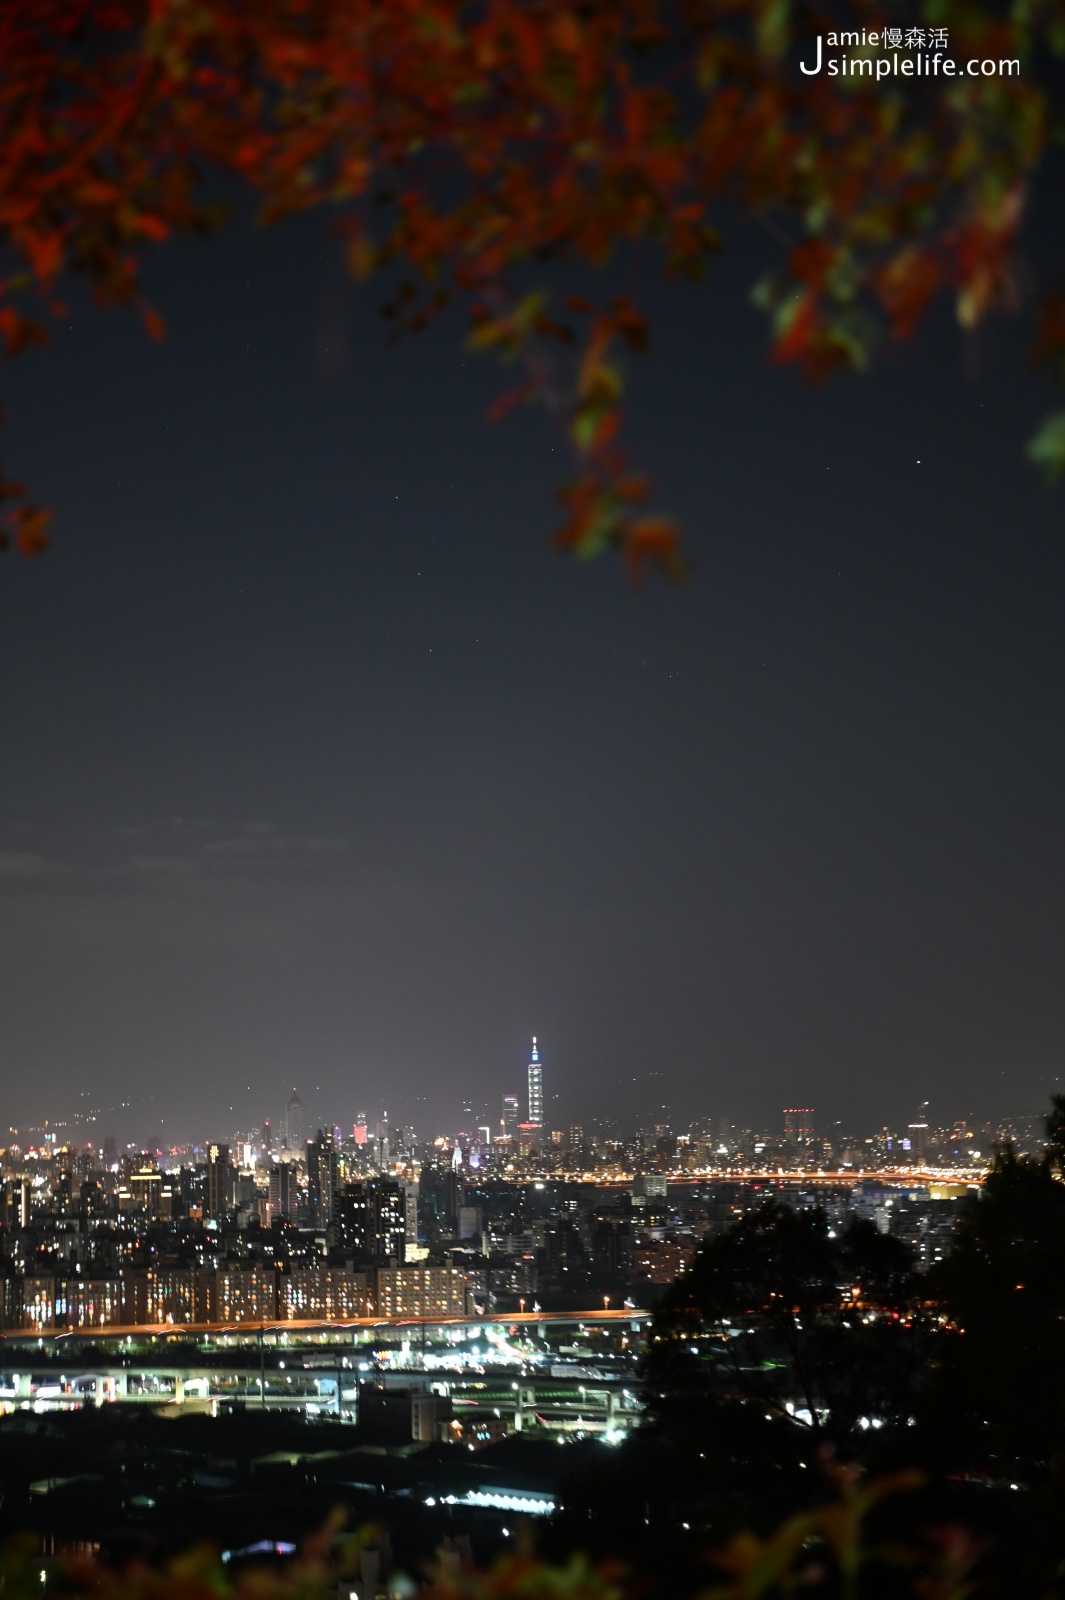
(458, 145)
(833, 1550)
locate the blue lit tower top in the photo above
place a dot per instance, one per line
(536, 1088)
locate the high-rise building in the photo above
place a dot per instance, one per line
(219, 1181)
(391, 1222)
(511, 1117)
(799, 1124)
(146, 1189)
(284, 1191)
(536, 1088)
(383, 1142)
(353, 1220)
(295, 1124)
(371, 1222)
(323, 1177)
(918, 1132)
(410, 1212)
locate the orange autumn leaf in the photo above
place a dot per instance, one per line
(466, 146)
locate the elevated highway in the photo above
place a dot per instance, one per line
(317, 1331)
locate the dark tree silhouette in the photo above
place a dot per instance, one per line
(781, 1315)
(999, 1402)
(783, 1345)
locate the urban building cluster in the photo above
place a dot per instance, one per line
(328, 1225)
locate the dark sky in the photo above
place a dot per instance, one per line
(320, 768)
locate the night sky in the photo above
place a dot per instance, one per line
(321, 768)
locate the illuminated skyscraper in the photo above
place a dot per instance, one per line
(219, 1181)
(798, 1124)
(918, 1132)
(323, 1178)
(536, 1088)
(511, 1117)
(371, 1222)
(284, 1193)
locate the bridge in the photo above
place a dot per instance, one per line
(317, 1330)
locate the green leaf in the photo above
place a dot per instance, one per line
(1047, 449)
(772, 27)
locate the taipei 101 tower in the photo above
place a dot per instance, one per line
(536, 1088)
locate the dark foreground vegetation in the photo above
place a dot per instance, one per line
(831, 1550)
(787, 1349)
(821, 1416)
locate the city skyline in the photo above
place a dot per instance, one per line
(468, 1122)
